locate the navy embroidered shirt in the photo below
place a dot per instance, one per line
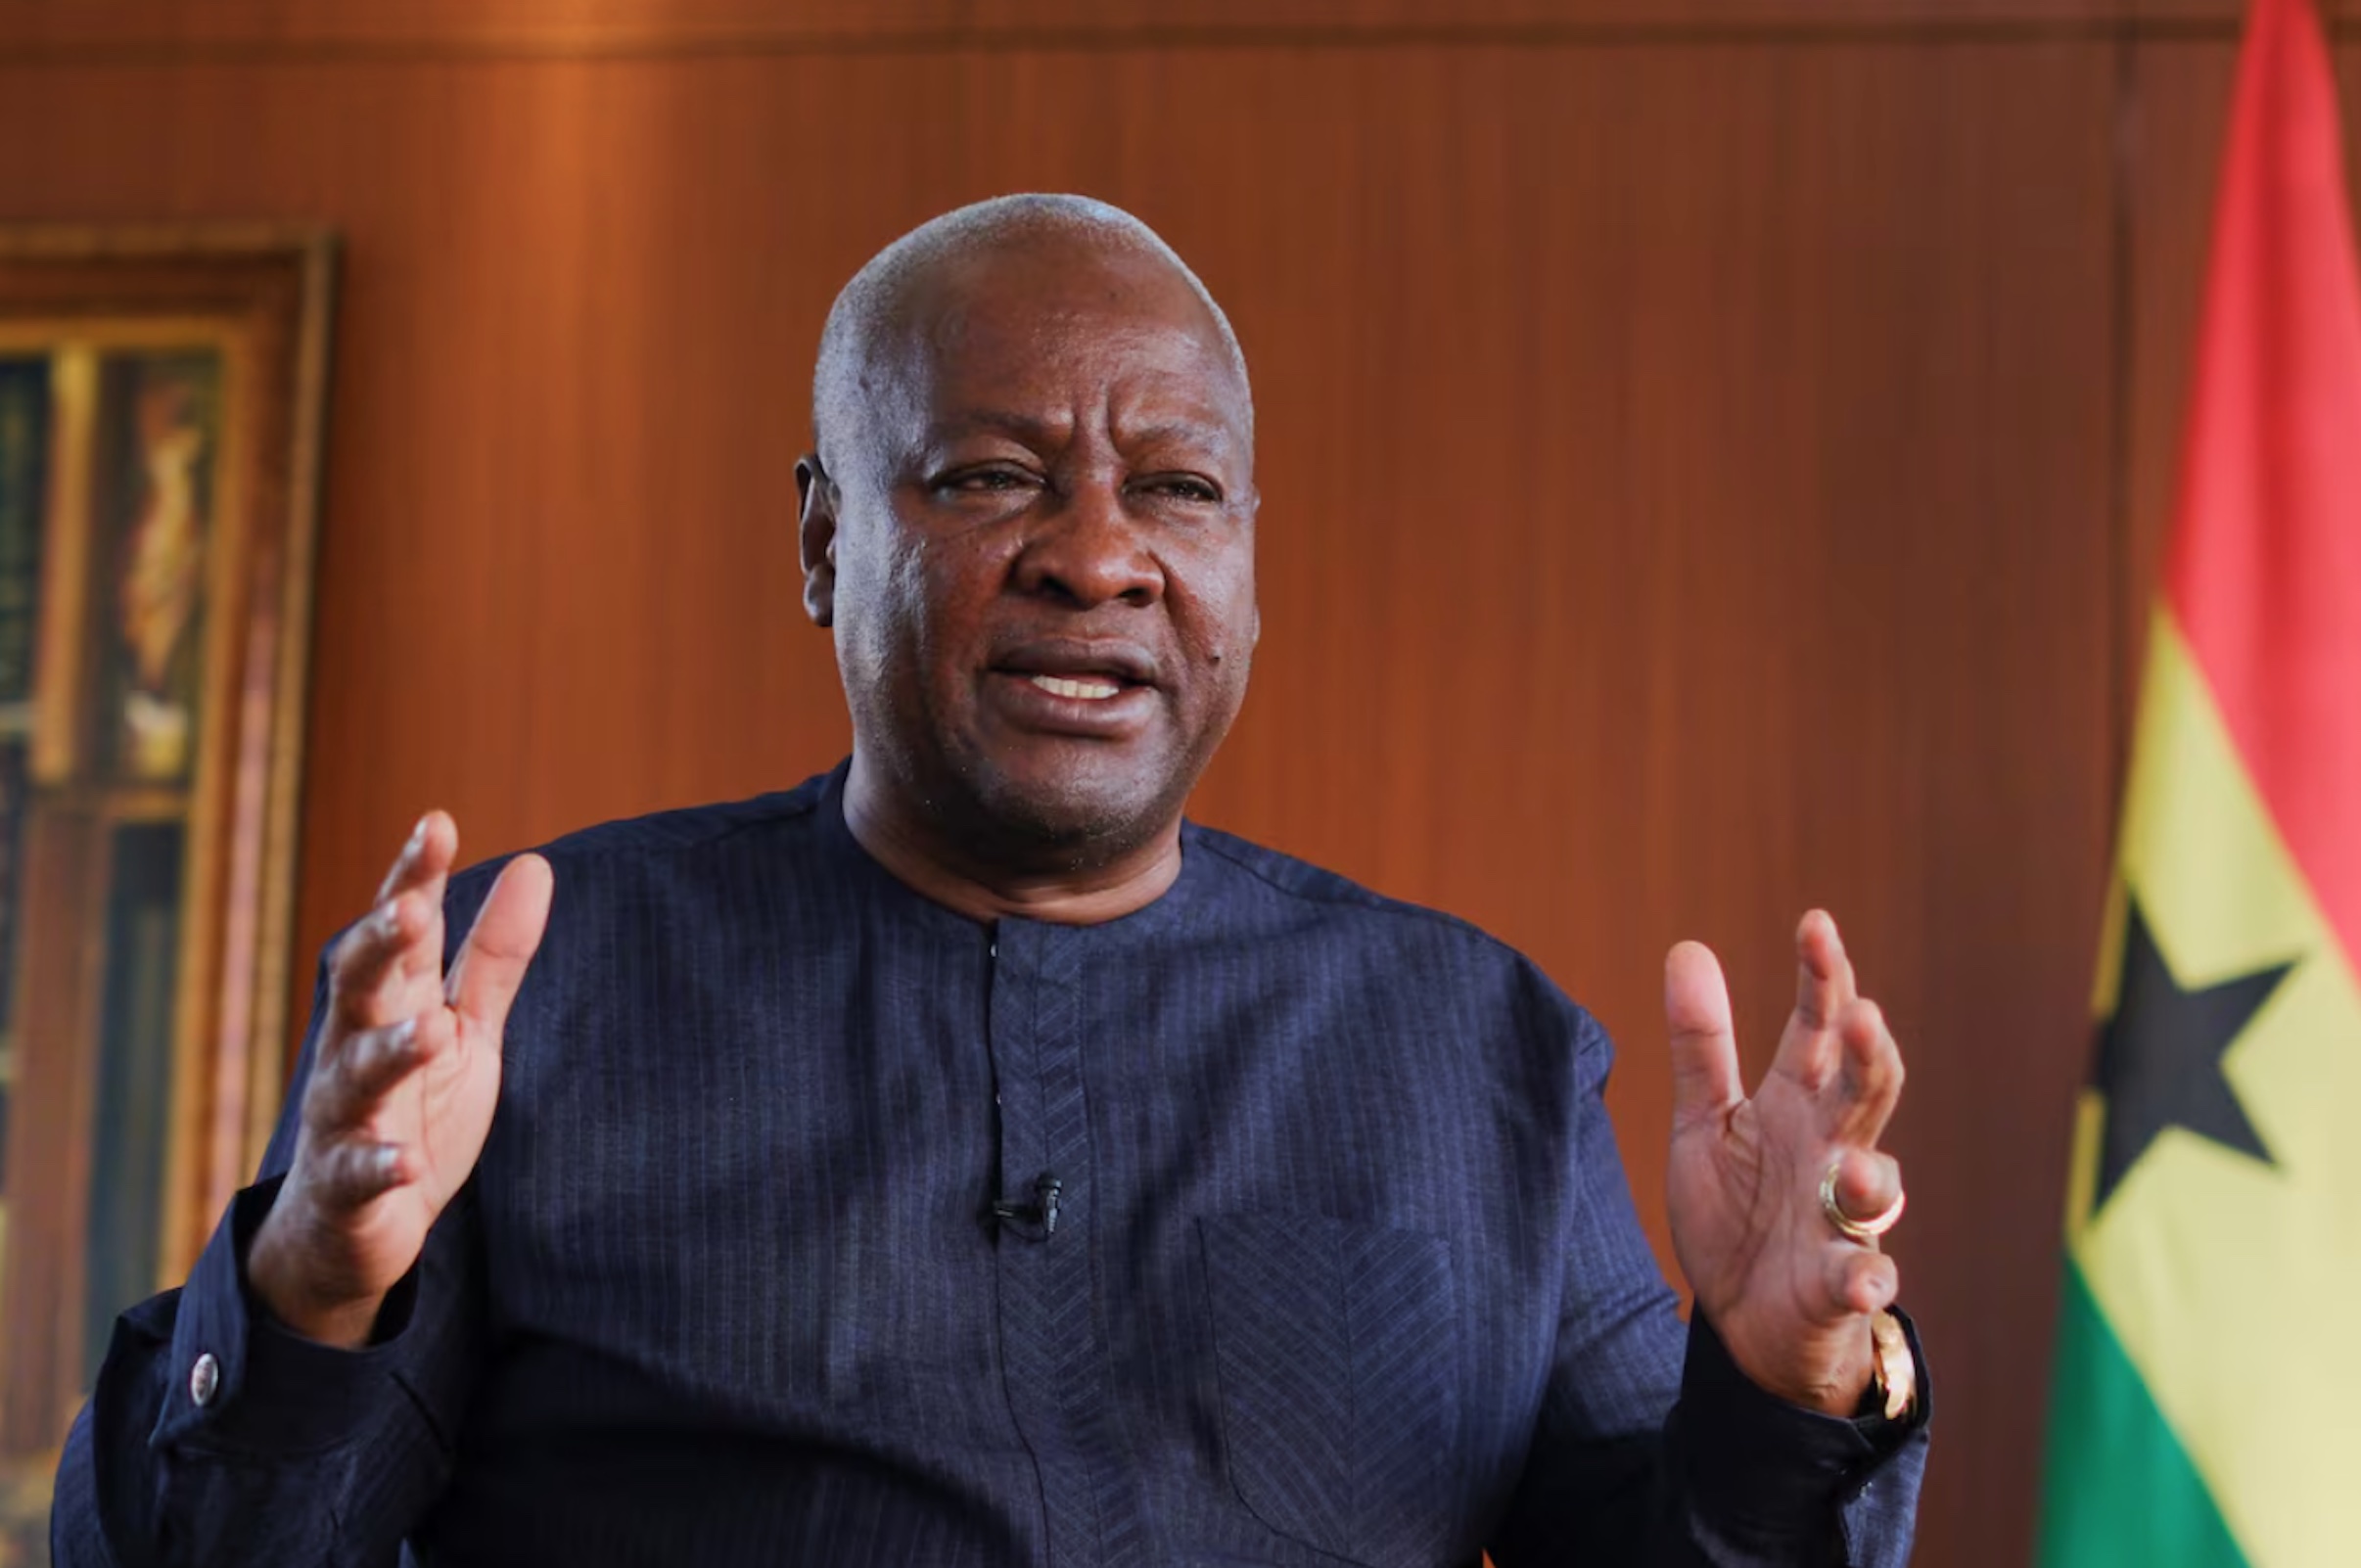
(1343, 1268)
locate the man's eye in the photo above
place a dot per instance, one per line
(983, 481)
(1185, 487)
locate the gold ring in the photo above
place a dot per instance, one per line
(1863, 1230)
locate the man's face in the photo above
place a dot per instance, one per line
(1040, 566)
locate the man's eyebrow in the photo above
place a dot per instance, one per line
(1035, 430)
(1205, 431)
(990, 422)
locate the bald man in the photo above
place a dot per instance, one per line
(965, 1159)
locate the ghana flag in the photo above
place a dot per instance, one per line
(2208, 1401)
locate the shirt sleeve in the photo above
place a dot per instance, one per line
(215, 1435)
(1653, 1447)
(1769, 1482)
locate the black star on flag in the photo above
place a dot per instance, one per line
(2160, 1057)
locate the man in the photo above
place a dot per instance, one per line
(962, 1158)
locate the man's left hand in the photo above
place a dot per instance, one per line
(1791, 1296)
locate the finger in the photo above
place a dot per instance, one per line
(357, 1171)
(346, 1093)
(1808, 1052)
(1861, 1282)
(1873, 1073)
(491, 962)
(1824, 973)
(1868, 1184)
(401, 941)
(1704, 1048)
(423, 868)
(430, 853)
(365, 974)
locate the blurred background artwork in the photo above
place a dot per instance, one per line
(159, 432)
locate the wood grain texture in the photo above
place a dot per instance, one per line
(2178, 104)
(323, 30)
(1689, 475)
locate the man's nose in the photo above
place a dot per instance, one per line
(1087, 551)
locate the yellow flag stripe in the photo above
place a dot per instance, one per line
(2222, 1275)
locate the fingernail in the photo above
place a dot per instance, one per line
(402, 1036)
(389, 918)
(417, 838)
(385, 1160)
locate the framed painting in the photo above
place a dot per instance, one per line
(162, 393)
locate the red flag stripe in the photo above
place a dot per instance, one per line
(2265, 567)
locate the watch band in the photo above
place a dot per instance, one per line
(1892, 1366)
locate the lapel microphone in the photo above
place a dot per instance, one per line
(1041, 1212)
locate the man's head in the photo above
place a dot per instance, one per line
(1030, 522)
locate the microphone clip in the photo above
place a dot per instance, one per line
(1036, 1220)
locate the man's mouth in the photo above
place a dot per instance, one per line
(1098, 689)
(1085, 688)
(1079, 669)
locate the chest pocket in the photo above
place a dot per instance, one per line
(1337, 1351)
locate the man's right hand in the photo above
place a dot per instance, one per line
(404, 1076)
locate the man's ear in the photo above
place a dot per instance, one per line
(816, 533)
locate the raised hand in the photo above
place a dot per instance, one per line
(1791, 1296)
(404, 1076)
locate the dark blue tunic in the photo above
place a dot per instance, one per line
(1344, 1268)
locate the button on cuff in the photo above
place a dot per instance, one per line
(249, 1383)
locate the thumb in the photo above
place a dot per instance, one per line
(1704, 1050)
(507, 932)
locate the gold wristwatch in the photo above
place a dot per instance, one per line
(1892, 1366)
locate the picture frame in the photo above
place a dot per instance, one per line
(162, 393)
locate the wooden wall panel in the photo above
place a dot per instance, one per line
(158, 31)
(2178, 106)
(1689, 476)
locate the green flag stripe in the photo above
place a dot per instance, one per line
(2119, 1491)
